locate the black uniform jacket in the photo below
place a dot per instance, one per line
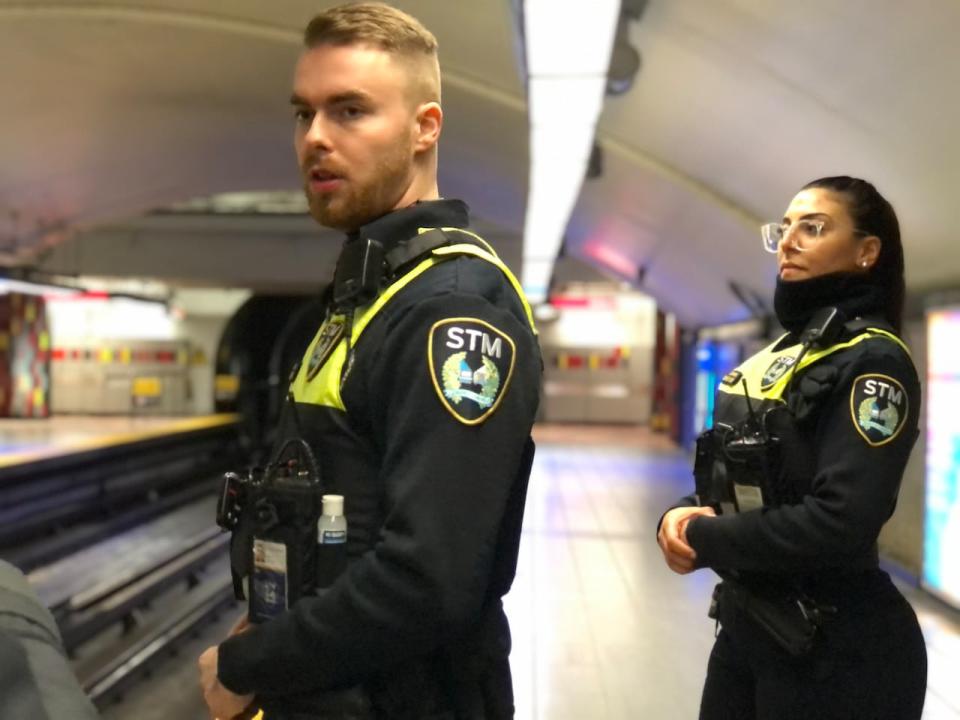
(428, 439)
(848, 425)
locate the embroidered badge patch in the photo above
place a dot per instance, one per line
(327, 340)
(732, 378)
(776, 371)
(471, 363)
(879, 405)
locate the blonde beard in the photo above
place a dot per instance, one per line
(368, 202)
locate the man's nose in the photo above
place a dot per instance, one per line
(318, 135)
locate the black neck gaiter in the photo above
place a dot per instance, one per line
(853, 293)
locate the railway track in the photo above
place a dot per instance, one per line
(121, 545)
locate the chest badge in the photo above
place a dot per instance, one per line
(777, 370)
(330, 335)
(732, 378)
(879, 405)
(471, 364)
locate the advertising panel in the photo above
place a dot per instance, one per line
(941, 542)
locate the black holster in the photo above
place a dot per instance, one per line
(791, 620)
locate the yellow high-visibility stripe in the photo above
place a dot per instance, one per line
(324, 388)
(487, 246)
(492, 258)
(754, 368)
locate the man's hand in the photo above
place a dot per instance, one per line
(672, 538)
(221, 703)
(241, 625)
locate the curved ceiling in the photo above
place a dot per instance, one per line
(119, 108)
(112, 109)
(741, 102)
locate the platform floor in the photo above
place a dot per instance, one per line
(602, 630)
(23, 441)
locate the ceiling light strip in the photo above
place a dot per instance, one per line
(567, 47)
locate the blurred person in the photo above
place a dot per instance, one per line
(36, 680)
(417, 397)
(799, 474)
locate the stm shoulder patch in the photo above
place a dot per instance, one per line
(879, 407)
(471, 364)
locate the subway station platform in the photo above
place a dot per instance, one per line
(602, 630)
(31, 440)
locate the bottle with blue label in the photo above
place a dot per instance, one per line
(331, 541)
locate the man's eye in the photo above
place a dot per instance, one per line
(303, 115)
(810, 228)
(350, 112)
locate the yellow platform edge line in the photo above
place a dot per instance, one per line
(176, 427)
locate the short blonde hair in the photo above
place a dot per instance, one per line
(384, 27)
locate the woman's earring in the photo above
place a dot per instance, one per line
(863, 264)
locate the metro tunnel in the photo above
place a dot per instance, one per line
(165, 288)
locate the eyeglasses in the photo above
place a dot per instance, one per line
(804, 234)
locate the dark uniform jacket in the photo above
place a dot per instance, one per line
(36, 681)
(424, 426)
(847, 416)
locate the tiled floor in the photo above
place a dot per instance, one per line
(942, 632)
(602, 630)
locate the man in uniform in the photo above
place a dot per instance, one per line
(417, 396)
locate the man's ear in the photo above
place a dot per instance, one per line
(428, 127)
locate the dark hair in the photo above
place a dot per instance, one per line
(874, 215)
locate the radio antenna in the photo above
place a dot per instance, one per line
(753, 415)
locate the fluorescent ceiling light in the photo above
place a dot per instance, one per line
(274, 202)
(572, 101)
(536, 278)
(567, 49)
(569, 37)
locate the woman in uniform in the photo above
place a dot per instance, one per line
(799, 474)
